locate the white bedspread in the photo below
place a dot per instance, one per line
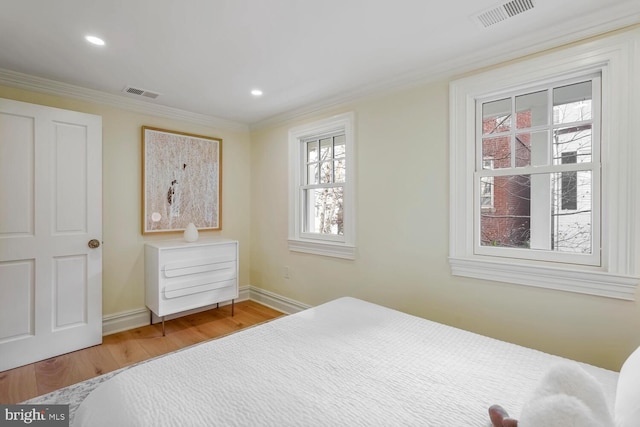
(344, 363)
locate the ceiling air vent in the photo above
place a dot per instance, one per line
(140, 92)
(502, 11)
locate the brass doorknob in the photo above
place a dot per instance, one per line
(94, 243)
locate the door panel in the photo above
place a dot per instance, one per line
(16, 167)
(50, 280)
(17, 283)
(69, 289)
(70, 183)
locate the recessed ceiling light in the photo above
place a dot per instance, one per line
(256, 92)
(95, 40)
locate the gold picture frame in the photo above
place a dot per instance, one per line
(181, 181)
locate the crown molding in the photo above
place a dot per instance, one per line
(586, 27)
(42, 85)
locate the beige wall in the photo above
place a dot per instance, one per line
(402, 240)
(123, 255)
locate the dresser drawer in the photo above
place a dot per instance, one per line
(189, 288)
(183, 256)
(195, 299)
(204, 265)
(202, 278)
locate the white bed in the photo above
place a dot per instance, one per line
(346, 362)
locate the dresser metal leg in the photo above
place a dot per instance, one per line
(232, 306)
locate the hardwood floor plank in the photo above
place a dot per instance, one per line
(94, 361)
(246, 317)
(183, 334)
(71, 368)
(262, 310)
(157, 345)
(125, 348)
(145, 332)
(54, 373)
(208, 316)
(128, 347)
(17, 385)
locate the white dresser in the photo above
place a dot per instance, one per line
(181, 276)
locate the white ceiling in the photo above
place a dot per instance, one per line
(204, 56)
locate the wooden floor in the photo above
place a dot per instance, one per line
(128, 347)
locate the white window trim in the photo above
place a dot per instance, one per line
(617, 276)
(333, 246)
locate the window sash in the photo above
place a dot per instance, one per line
(484, 174)
(325, 169)
(308, 219)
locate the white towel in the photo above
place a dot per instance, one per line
(567, 396)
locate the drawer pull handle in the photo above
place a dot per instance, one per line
(196, 269)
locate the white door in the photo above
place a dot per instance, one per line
(50, 208)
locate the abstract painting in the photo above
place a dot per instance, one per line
(181, 181)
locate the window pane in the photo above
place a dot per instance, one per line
(325, 210)
(312, 151)
(532, 148)
(312, 174)
(542, 211)
(508, 223)
(572, 139)
(531, 110)
(339, 146)
(572, 209)
(498, 149)
(326, 172)
(572, 103)
(339, 170)
(496, 116)
(523, 150)
(540, 147)
(326, 151)
(486, 192)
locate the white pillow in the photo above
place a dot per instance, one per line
(627, 407)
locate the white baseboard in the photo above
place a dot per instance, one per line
(126, 320)
(276, 301)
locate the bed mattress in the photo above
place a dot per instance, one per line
(346, 362)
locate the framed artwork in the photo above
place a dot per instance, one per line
(181, 181)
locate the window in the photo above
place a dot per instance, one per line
(321, 199)
(533, 137)
(542, 171)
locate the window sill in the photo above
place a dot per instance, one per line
(322, 248)
(550, 277)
